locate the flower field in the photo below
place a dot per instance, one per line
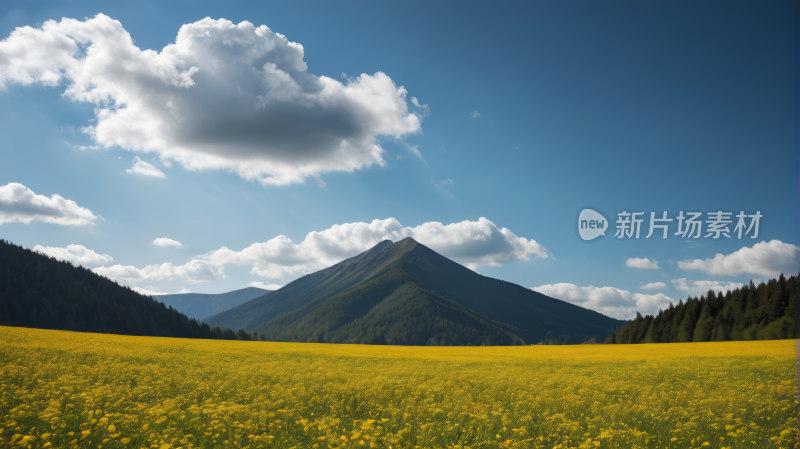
(74, 390)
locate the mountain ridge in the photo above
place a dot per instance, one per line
(437, 299)
(202, 305)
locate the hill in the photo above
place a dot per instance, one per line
(405, 293)
(202, 305)
(763, 312)
(41, 292)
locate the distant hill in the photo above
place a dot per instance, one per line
(763, 312)
(405, 293)
(202, 305)
(41, 292)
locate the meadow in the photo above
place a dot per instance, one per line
(77, 390)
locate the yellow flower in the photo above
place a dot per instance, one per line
(187, 392)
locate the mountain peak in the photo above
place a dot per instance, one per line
(406, 244)
(406, 293)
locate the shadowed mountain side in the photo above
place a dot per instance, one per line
(202, 305)
(405, 293)
(338, 278)
(536, 315)
(391, 309)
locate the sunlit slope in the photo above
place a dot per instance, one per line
(78, 390)
(431, 298)
(340, 277)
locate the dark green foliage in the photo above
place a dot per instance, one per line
(406, 294)
(391, 309)
(242, 335)
(763, 312)
(41, 292)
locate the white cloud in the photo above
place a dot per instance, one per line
(264, 286)
(18, 204)
(83, 147)
(143, 168)
(475, 114)
(763, 259)
(698, 288)
(77, 254)
(163, 241)
(472, 243)
(654, 286)
(424, 109)
(146, 292)
(222, 96)
(610, 301)
(415, 150)
(152, 291)
(448, 182)
(643, 264)
(194, 271)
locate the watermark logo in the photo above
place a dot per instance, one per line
(718, 224)
(591, 224)
(690, 226)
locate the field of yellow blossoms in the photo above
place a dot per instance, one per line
(74, 390)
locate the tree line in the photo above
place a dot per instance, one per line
(41, 292)
(763, 312)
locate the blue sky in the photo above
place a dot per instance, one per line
(525, 114)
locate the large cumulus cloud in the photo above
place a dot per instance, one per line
(19, 204)
(610, 301)
(471, 243)
(768, 259)
(222, 96)
(194, 271)
(77, 254)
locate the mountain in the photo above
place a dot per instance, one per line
(763, 312)
(41, 292)
(202, 305)
(405, 293)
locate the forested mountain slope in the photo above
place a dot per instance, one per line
(38, 291)
(405, 293)
(763, 312)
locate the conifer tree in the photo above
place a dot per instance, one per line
(766, 311)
